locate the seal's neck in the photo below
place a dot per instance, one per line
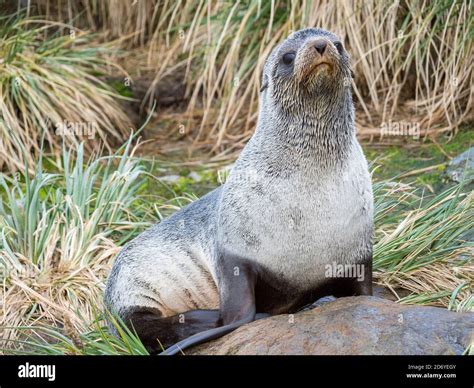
(320, 128)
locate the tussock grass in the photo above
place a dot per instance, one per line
(424, 246)
(58, 235)
(412, 60)
(50, 88)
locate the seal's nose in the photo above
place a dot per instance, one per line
(320, 46)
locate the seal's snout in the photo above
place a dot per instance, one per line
(315, 57)
(320, 46)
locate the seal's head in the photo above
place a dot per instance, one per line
(311, 62)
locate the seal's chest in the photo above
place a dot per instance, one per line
(303, 228)
(299, 212)
(292, 225)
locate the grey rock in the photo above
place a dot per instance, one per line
(353, 325)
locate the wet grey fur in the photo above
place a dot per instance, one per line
(299, 197)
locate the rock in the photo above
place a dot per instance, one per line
(462, 164)
(353, 325)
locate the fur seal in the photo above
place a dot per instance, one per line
(297, 202)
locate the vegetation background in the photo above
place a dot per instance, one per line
(116, 113)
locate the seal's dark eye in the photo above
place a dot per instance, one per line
(288, 58)
(338, 46)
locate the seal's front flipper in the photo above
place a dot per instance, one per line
(237, 294)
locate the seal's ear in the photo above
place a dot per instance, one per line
(264, 83)
(352, 73)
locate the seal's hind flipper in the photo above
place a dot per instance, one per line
(157, 332)
(202, 337)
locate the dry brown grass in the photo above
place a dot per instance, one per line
(57, 293)
(50, 88)
(422, 249)
(412, 60)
